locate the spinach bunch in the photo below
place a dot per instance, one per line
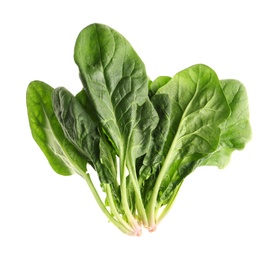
(141, 137)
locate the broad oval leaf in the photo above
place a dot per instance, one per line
(198, 108)
(48, 134)
(116, 83)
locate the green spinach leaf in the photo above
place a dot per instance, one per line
(236, 130)
(83, 133)
(198, 108)
(116, 83)
(48, 134)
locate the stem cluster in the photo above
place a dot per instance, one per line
(129, 221)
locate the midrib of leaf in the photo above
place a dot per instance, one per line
(124, 147)
(52, 139)
(119, 131)
(152, 203)
(113, 106)
(166, 165)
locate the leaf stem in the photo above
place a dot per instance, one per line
(151, 207)
(114, 211)
(169, 205)
(102, 206)
(132, 221)
(138, 198)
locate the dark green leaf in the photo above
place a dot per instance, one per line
(86, 104)
(154, 157)
(83, 133)
(115, 80)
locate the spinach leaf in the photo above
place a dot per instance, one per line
(198, 108)
(48, 134)
(83, 133)
(116, 83)
(236, 130)
(157, 84)
(155, 157)
(86, 104)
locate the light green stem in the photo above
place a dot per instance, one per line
(151, 207)
(139, 203)
(115, 211)
(102, 206)
(132, 221)
(168, 206)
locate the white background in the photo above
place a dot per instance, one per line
(219, 214)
